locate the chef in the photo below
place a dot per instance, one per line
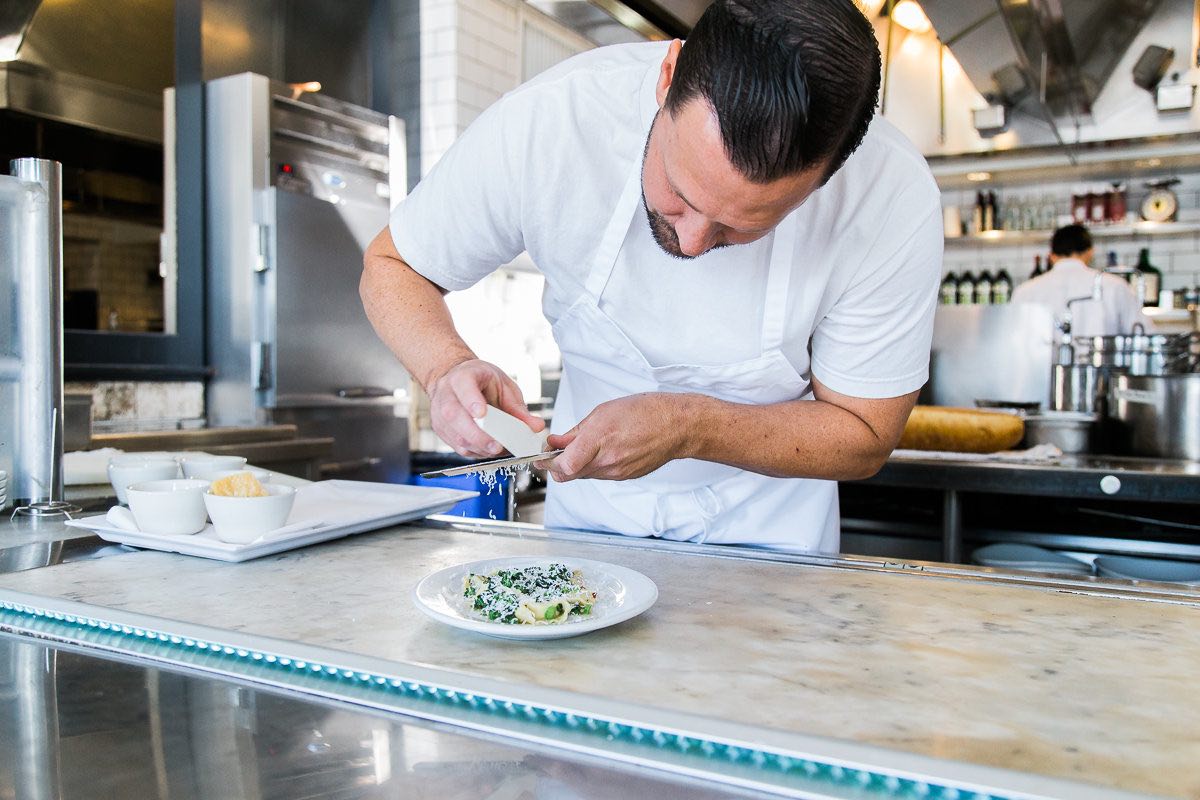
(741, 269)
(1114, 309)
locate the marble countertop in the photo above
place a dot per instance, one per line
(1073, 686)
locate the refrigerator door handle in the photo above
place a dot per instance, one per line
(356, 392)
(260, 364)
(332, 468)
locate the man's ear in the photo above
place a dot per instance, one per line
(667, 72)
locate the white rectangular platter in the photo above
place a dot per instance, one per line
(335, 508)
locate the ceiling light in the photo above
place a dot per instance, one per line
(304, 87)
(908, 14)
(979, 177)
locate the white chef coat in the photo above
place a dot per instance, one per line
(1116, 312)
(544, 168)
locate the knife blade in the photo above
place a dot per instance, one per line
(487, 466)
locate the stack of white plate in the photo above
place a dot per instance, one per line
(3, 488)
(1028, 557)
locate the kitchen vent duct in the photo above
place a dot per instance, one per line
(1048, 58)
(15, 16)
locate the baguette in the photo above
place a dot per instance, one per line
(961, 430)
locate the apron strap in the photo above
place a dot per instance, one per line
(605, 258)
(779, 276)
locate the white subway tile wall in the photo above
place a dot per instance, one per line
(1178, 256)
(116, 263)
(472, 52)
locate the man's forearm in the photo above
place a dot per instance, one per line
(410, 314)
(797, 439)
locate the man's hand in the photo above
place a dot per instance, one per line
(837, 437)
(624, 438)
(461, 395)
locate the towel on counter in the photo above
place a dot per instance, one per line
(82, 467)
(1041, 453)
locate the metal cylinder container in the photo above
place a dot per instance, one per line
(31, 352)
(1076, 387)
(1157, 415)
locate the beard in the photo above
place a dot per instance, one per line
(665, 236)
(663, 232)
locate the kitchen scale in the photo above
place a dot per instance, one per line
(1162, 204)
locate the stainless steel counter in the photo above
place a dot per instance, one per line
(797, 676)
(1080, 477)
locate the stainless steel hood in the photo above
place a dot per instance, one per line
(1047, 58)
(100, 65)
(615, 21)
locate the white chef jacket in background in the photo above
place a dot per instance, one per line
(542, 170)
(1116, 312)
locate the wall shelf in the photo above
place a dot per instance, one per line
(1121, 231)
(1124, 159)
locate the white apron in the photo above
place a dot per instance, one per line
(685, 499)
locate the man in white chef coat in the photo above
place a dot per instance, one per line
(741, 271)
(1116, 308)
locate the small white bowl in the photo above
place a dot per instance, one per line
(262, 475)
(206, 466)
(135, 458)
(172, 506)
(214, 474)
(124, 470)
(244, 519)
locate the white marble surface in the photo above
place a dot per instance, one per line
(1085, 688)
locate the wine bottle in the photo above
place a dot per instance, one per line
(1002, 287)
(983, 288)
(989, 211)
(1037, 267)
(949, 290)
(1152, 277)
(966, 289)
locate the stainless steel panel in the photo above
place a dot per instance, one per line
(370, 441)
(31, 418)
(1001, 353)
(73, 725)
(240, 304)
(285, 249)
(324, 340)
(81, 101)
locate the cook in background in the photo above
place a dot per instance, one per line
(741, 270)
(1070, 276)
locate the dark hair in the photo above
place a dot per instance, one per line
(793, 82)
(1070, 240)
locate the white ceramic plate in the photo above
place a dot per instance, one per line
(622, 594)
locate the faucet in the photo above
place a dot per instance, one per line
(1065, 355)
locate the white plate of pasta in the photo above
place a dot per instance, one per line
(534, 598)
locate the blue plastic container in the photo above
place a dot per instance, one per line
(488, 505)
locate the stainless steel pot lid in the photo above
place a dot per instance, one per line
(1138, 343)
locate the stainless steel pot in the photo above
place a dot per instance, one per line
(1156, 415)
(1069, 431)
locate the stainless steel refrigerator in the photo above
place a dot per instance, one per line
(297, 186)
